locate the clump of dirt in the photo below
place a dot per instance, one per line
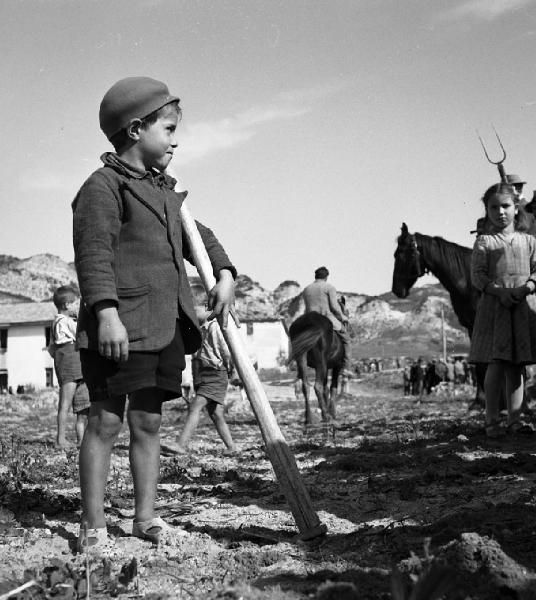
(483, 565)
(480, 568)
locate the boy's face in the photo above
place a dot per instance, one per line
(158, 141)
(201, 313)
(73, 307)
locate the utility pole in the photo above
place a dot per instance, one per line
(443, 336)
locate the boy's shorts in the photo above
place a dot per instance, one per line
(67, 364)
(211, 383)
(161, 369)
(81, 398)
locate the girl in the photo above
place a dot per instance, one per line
(503, 269)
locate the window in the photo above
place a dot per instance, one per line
(48, 333)
(3, 339)
(49, 375)
(3, 379)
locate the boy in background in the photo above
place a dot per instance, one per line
(211, 379)
(73, 390)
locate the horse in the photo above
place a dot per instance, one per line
(315, 344)
(417, 254)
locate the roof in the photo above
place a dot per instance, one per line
(260, 319)
(27, 312)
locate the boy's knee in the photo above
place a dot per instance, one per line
(105, 426)
(215, 410)
(145, 423)
(199, 403)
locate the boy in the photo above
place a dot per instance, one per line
(73, 391)
(137, 319)
(211, 380)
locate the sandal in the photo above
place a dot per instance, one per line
(154, 530)
(93, 539)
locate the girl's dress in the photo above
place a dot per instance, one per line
(500, 333)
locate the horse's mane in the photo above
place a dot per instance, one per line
(455, 258)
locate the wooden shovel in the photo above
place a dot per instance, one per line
(280, 456)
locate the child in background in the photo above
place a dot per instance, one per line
(211, 379)
(73, 390)
(504, 336)
(137, 318)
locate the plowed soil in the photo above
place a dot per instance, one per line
(414, 496)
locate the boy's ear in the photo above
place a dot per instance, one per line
(133, 129)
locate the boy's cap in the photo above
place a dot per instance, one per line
(514, 180)
(131, 98)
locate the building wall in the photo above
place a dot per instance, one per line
(265, 340)
(26, 357)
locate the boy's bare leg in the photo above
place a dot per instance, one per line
(65, 402)
(103, 427)
(80, 425)
(192, 421)
(215, 412)
(144, 419)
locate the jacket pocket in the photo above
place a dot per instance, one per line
(134, 310)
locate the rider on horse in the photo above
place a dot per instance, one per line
(321, 297)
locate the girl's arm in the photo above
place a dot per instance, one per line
(479, 266)
(530, 285)
(531, 281)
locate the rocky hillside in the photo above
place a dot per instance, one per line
(33, 279)
(381, 325)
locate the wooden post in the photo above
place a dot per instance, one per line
(282, 459)
(443, 336)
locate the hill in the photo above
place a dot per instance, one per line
(381, 325)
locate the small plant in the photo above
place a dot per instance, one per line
(433, 582)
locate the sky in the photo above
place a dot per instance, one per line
(311, 129)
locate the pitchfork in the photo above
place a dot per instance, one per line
(499, 163)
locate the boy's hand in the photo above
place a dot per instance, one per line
(221, 299)
(113, 337)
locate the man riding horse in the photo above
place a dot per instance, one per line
(321, 297)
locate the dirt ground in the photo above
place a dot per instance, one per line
(416, 500)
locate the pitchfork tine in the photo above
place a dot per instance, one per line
(499, 163)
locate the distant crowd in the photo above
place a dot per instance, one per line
(421, 376)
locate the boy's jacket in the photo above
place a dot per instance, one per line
(129, 249)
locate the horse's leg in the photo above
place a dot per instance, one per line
(301, 364)
(321, 380)
(335, 372)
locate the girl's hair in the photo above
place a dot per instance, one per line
(121, 139)
(522, 221)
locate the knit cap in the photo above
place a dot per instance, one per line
(131, 98)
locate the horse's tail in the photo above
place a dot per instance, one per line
(303, 342)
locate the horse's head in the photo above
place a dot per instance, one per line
(408, 263)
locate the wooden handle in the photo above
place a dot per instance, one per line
(282, 459)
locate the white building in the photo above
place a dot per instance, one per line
(24, 337)
(265, 340)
